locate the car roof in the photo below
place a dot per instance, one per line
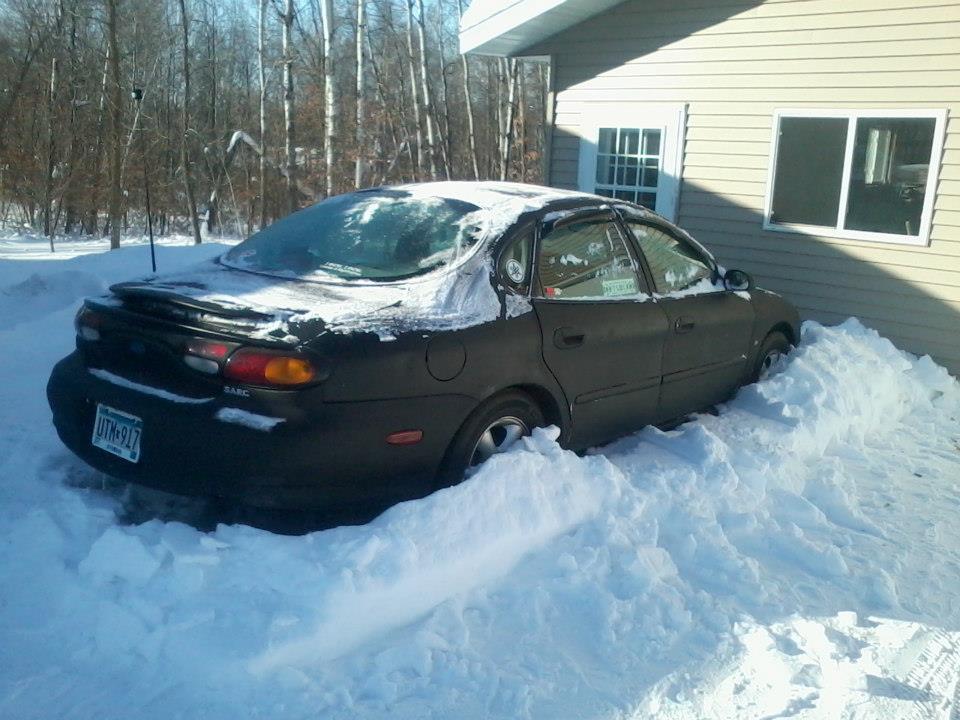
(488, 195)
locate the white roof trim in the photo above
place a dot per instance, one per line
(508, 27)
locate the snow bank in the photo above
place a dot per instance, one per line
(649, 579)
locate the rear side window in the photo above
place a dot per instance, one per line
(513, 267)
(586, 260)
(674, 264)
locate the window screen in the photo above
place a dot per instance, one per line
(586, 260)
(809, 172)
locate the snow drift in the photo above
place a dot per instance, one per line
(723, 569)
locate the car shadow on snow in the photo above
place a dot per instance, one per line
(135, 505)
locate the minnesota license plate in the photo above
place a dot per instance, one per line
(118, 433)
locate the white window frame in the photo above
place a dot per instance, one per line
(852, 116)
(670, 119)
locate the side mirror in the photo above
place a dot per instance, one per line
(737, 280)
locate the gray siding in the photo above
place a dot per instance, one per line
(734, 64)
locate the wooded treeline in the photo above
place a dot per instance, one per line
(249, 109)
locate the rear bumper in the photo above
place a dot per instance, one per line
(322, 454)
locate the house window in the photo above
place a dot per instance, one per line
(628, 164)
(863, 175)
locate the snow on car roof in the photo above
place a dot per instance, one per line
(488, 194)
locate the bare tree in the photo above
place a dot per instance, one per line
(414, 94)
(116, 126)
(330, 93)
(185, 128)
(262, 74)
(206, 67)
(468, 95)
(288, 109)
(361, 139)
(506, 129)
(427, 112)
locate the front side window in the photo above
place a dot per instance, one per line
(674, 265)
(586, 260)
(374, 235)
(862, 174)
(628, 164)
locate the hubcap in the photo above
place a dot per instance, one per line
(497, 438)
(769, 362)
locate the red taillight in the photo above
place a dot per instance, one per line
(207, 349)
(251, 366)
(88, 324)
(205, 355)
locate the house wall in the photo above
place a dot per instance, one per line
(734, 64)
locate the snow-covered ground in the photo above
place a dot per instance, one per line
(797, 555)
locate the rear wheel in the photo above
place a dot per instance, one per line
(493, 428)
(774, 347)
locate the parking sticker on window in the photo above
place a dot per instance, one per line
(620, 287)
(514, 270)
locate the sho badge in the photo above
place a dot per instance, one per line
(231, 390)
(514, 270)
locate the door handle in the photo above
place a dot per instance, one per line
(682, 325)
(566, 338)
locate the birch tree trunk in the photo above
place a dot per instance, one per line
(471, 131)
(116, 122)
(361, 139)
(261, 69)
(51, 150)
(330, 94)
(185, 128)
(414, 94)
(427, 110)
(288, 110)
(506, 137)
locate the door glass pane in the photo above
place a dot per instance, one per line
(888, 178)
(606, 169)
(674, 265)
(651, 142)
(809, 172)
(628, 164)
(586, 261)
(607, 141)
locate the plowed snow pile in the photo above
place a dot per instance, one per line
(796, 555)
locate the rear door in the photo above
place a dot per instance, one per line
(603, 335)
(711, 328)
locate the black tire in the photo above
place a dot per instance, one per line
(464, 448)
(774, 346)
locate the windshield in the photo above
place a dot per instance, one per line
(379, 235)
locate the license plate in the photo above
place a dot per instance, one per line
(118, 433)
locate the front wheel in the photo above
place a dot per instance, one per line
(774, 347)
(493, 428)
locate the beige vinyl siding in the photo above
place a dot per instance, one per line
(734, 63)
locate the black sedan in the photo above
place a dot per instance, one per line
(379, 344)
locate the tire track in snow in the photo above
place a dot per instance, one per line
(936, 674)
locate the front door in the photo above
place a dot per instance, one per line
(602, 334)
(634, 152)
(705, 354)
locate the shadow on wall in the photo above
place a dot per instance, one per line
(611, 39)
(826, 281)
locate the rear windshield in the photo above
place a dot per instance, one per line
(382, 235)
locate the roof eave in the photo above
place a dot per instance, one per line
(508, 28)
